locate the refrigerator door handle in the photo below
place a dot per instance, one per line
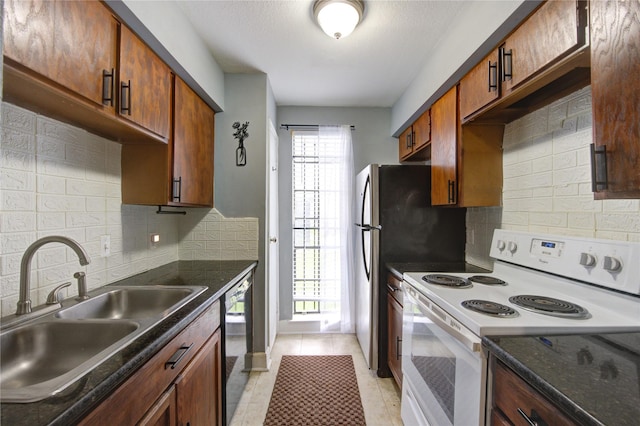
(367, 227)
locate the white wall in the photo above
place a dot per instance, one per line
(547, 182)
(371, 144)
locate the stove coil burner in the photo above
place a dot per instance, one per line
(446, 280)
(487, 280)
(550, 306)
(493, 309)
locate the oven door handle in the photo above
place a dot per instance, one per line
(474, 345)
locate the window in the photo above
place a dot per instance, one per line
(316, 247)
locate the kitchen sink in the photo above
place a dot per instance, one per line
(42, 357)
(129, 302)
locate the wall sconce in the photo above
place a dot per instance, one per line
(241, 134)
(338, 18)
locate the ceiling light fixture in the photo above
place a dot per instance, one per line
(338, 18)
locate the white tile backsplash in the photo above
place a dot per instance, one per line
(56, 179)
(547, 182)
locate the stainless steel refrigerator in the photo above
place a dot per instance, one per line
(395, 222)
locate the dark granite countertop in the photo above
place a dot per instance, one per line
(79, 399)
(399, 268)
(593, 378)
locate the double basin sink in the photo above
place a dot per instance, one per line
(44, 356)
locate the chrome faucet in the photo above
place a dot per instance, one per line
(24, 302)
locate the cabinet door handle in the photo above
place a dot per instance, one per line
(398, 347)
(493, 76)
(177, 357)
(125, 97)
(408, 141)
(599, 180)
(391, 288)
(506, 58)
(534, 419)
(452, 192)
(107, 87)
(177, 189)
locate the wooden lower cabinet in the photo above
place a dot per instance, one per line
(163, 412)
(198, 387)
(180, 385)
(394, 327)
(513, 399)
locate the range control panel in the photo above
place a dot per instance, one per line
(609, 263)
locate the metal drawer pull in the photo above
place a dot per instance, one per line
(534, 420)
(391, 288)
(493, 76)
(452, 192)
(107, 87)
(177, 189)
(599, 180)
(177, 357)
(125, 97)
(507, 58)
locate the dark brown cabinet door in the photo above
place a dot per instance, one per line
(405, 143)
(145, 86)
(198, 387)
(192, 148)
(480, 86)
(29, 34)
(549, 34)
(69, 42)
(86, 50)
(422, 131)
(163, 412)
(394, 344)
(615, 88)
(444, 149)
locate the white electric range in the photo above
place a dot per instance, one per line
(541, 284)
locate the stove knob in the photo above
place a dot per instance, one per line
(588, 260)
(612, 264)
(513, 247)
(501, 245)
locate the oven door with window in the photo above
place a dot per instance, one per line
(443, 366)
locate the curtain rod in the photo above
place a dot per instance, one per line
(304, 127)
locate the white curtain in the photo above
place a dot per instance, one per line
(336, 228)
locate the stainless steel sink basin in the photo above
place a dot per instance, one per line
(40, 359)
(44, 356)
(129, 302)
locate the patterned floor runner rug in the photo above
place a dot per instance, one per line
(315, 390)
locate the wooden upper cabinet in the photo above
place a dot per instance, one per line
(86, 37)
(193, 142)
(72, 43)
(29, 34)
(480, 86)
(444, 149)
(615, 89)
(412, 142)
(145, 85)
(549, 34)
(422, 131)
(405, 143)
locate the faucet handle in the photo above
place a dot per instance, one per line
(54, 297)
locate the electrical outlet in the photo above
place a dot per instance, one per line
(105, 245)
(154, 240)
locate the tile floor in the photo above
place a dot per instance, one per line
(380, 397)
